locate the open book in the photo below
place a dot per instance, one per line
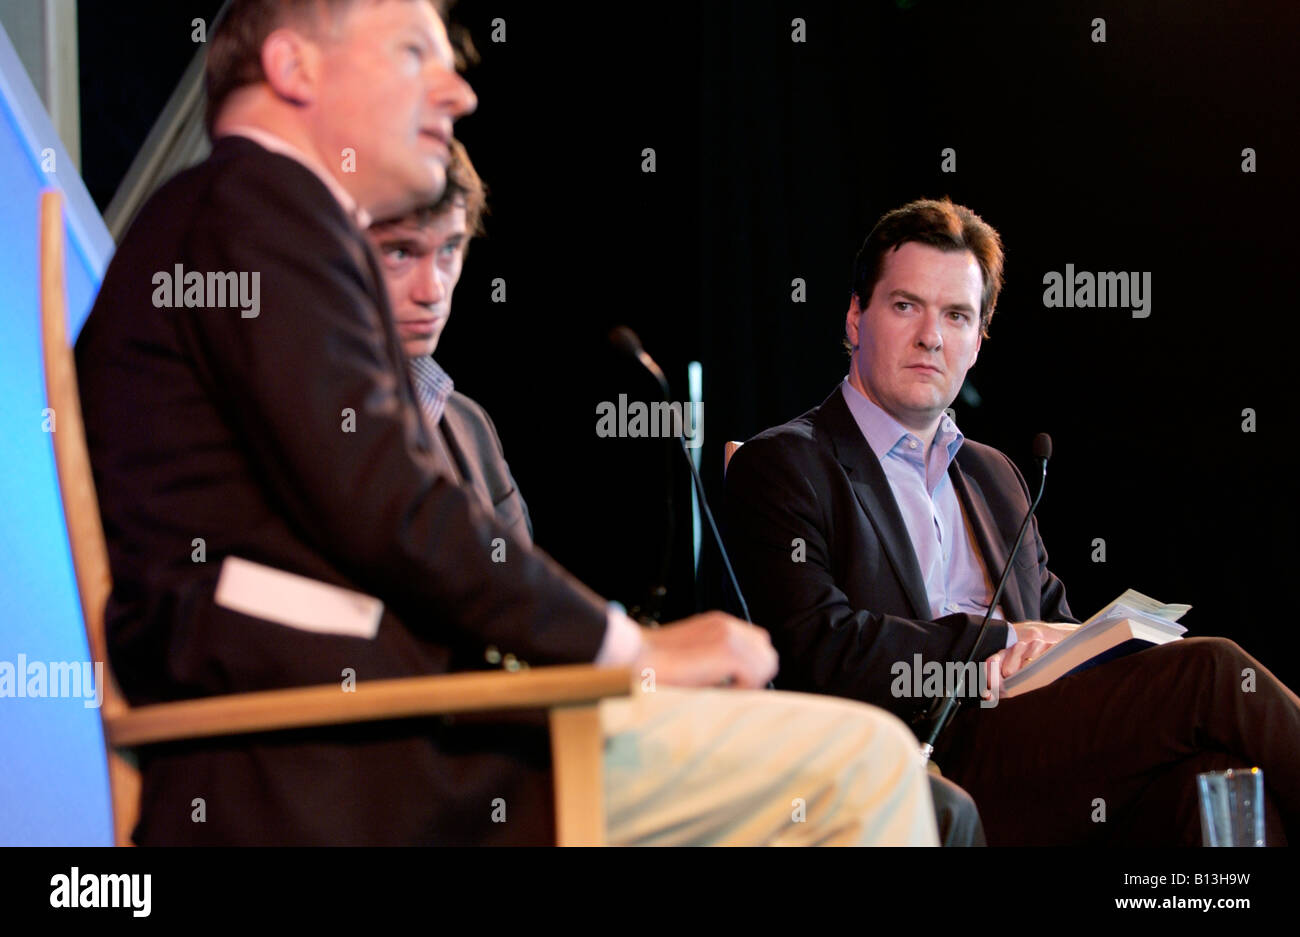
(1131, 617)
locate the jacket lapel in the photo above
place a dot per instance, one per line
(471, 471)
(874, 494)
(992, 549)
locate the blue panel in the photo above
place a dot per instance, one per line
(54, 786)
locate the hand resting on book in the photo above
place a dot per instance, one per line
(1033, 639)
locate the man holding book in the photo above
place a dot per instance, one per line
(869, 531)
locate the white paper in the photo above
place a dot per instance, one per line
(296, 601)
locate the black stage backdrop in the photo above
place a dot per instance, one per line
(773, 157)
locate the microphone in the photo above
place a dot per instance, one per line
(626, 341)
(947, 707)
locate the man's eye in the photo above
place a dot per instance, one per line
(396, 253)
(960, 316)
(416, 50)
(902, 305)
(449, 250)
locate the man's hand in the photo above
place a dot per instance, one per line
(712, 649)
(1033, 640)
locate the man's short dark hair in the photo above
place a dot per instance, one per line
(936, 223)
(235, 46)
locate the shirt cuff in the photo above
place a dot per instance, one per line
(1011, 634)
(622, 643)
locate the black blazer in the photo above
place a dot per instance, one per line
(293, 439)
(855, 603)
(474, 444)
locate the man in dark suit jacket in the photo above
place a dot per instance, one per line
(247, 405)
(868, 533)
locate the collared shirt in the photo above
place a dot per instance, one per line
(941, 534)
(277, 144)
(433, 387)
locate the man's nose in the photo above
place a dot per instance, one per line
(451, 94)
(929, 335)
(428, 285)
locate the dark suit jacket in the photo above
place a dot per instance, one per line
(856, 603)
(207, 426)
(474, 444)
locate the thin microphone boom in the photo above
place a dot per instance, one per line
(950, 704)
(626, 341)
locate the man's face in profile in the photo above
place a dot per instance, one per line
(422, 264)
(920, 333)
(389, 92)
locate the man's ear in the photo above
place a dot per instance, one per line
(851, 320)
(979, 340)
(291, 63)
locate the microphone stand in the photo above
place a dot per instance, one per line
(626, 340)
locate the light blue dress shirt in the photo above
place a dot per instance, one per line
(941, 535)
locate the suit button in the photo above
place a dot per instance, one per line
(492, 655)
(510, 662)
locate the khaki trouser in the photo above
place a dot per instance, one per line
(749, 768)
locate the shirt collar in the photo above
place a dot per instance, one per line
(277, 144)
(884, 434)
(433, 386)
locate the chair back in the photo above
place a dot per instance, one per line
(728, 450)
(77, 488)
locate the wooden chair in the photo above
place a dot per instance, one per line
(571, 693)
(728, 450)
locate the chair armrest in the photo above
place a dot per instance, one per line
(328, 704)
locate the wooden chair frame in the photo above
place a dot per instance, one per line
(728, 450)
(570, 693)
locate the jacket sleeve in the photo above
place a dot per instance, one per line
(311, 387)
(780, 533)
